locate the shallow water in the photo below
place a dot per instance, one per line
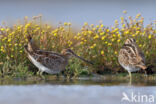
(79, 91)
(68, 94)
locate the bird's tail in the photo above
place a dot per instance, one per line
(142, 67)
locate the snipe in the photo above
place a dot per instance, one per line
(49, 61)
(131, 58)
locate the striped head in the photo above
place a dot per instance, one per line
(130, 41)
(29, 38)
(31, 46)
(67, 52)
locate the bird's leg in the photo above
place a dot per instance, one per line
(41, 74)
(64, 73)
(38, 72)
(57, 75)
(130, 76)
(145, 73)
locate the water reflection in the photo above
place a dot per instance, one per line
(69, 94)
(104, 81)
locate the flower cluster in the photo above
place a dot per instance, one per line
(97, 43)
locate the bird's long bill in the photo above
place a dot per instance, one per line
(83, 59)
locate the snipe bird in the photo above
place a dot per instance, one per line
(131, 57)
(49, 61)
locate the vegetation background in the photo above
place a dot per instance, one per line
(97, 43)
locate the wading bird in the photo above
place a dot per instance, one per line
(131, 57)
(49, 61)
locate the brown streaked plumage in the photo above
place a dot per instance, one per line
(131, 57)
(49, 61)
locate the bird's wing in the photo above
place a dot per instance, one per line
(130, 55)
(48, 59)
(47, 52)
(135, 55)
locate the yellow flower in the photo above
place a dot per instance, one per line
(78, 34)
(19, 27)
(109, 44)
(115, 52)
(7, 29)
(125, 12)
(2, 50)
(101, 25)
(20, 44)
(75, 37)
(99, 30)
(137, 32)
(69, 24)
(21, 51)
(94, 45)
(27, 25)
(102, 33)
(122, 20)
(116, 21)
(90, 32)
(107, 30)
(65, 23)
(103, 38)
(119, 36)
(147, 52)
(106, 42)
(2, 29)
(138, 15)
(85, 24)
(82, 43)
(96, 37)
(116, 29)
(118, 40)
(91, 47)
(97, 26)
(2, 47)
(82, 38)
(94, 29)
(140, 45)
(12, 56)
(92, 25)
(112, 39)
(9, 40)
(70, 43)
(102, 52)
(133, 35)
(149, 36)
(126, 32)
(55, 34)
(85, 33)
(114, 35)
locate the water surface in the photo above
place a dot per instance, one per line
(108, 90)
(68, 94)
